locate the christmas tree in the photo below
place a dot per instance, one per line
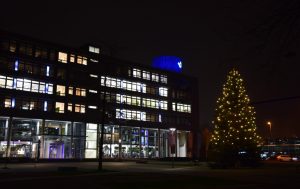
(234, 132)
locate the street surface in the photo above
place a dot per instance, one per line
(153, 174)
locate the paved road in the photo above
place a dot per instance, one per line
(133, 175)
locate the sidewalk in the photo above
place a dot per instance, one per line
(126, 166)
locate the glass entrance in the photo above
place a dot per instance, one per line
(56, 150)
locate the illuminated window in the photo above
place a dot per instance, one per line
(19, 83)
(146, 75)
(155, 77)
(173, 106)
(2, 81)
(79, 108)
(150, 103)
(70, 91)
(81, 60)
(42, 87)
(72, 58)
(27, 85)
(8, 103)
(70, 107)
(181, 107)
(9, 83)
(123, 84)
(80, 92)
(35, 86)
(164, 79)
(60, 90)
(136, 73)
(94, 49)
(163, 105)
(130, 115)
(49, 88)
(163, 91)
(130, 100)
(62, 57)
(59, 107)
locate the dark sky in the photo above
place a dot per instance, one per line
(259, 37)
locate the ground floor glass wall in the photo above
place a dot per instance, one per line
(63, 140)
(53, 139)
(3, 136)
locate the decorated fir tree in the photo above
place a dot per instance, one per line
(234, 132)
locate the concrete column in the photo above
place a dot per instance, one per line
(98, 139)
(41, 133)
(6, 129)
(176, 142)
(158, 133)
(73, 147)
(9, 133)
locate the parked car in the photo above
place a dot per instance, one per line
(286, 158)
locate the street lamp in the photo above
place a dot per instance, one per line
(270, 127)
(120, 151)
(172, 144)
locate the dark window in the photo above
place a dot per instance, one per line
(40, 53)
(26, 49)
(52, 55)
(61, 74)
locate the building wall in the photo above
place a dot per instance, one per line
(60, 96)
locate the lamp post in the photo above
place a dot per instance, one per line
(101, 141)
(270, 128)
(172, 144)
(120, 149)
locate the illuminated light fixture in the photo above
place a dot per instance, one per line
(16, 65)
(47, 70)
(168, 63)
(93, 60)
(13, 102)
(93, 91)
(45, 106)
(93, 75)
(172, 129)
(92, 107)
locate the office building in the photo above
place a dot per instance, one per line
(55, 99)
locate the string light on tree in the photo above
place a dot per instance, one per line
(234, 123)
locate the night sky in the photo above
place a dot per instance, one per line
(258, 37)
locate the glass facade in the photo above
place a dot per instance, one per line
(65, 140)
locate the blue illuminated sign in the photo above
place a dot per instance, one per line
(169, 63)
